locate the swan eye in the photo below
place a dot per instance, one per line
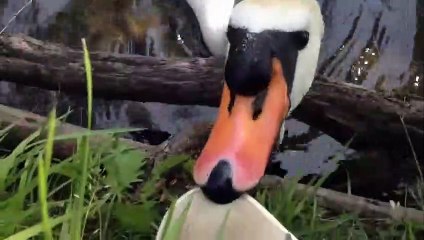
(300, 39)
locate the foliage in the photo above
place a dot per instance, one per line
(64, 198)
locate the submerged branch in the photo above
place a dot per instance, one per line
(25, 123)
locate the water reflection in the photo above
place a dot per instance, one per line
(359, 70)
(371, 43)
(367, 41)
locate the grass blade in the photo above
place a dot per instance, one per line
(48, 152)
(37, 229)
(42, 193)
(174, 230)
(77, 222)
(11, 160)
(89, 77)
(169, 218)
(221, 231)
(3, 132)
(43, 171)
(88, 133)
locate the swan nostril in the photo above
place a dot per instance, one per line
(219, 187)
(221, 174)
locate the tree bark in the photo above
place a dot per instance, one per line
(340, 110)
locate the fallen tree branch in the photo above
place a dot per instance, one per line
(338, 109)
(25, 123)
(191, 140)
(342, 202)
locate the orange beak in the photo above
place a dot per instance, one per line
(244, 143)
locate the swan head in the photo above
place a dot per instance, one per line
(213, 17)
(270, 65)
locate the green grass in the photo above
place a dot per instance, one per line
(307, 220)
(90, 194)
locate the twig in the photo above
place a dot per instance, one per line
(15, 15)
(412, 148)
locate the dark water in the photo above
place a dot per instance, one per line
(376, 44)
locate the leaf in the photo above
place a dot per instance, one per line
(149, 187)
(124, 168)
(10, 217)
(169, 163)
(136, 217)
(67, 168)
